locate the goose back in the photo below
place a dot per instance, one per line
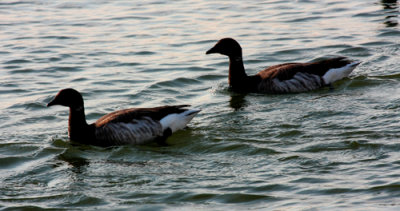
(133, 126)
(297, 77)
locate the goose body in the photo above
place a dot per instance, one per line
(128, 126)
(282, 78)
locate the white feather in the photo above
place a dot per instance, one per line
(336, 74)
(178, 121)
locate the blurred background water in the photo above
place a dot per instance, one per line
(323, 150)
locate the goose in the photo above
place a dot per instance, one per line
(128, 126)
(282, 78)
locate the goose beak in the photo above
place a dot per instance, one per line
(51, 103)
(212, 50)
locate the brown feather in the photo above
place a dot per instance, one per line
(288, 70)
(127, 115)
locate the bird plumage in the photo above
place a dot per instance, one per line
(128, 126)
(281, 78)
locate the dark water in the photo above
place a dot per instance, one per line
(324, 150)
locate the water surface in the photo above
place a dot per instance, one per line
(324, 150)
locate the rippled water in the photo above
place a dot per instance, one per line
(324, 150)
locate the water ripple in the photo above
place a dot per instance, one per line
(327, 149)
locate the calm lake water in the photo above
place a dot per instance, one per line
(323, 150)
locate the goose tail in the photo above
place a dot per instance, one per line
(336, 74)
(177, 121)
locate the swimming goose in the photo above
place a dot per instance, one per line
(281, 78)
(128, 126)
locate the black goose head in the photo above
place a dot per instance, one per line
(68, 97)
(228, 47)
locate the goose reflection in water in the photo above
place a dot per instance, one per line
(238, 101)
(391, 20)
